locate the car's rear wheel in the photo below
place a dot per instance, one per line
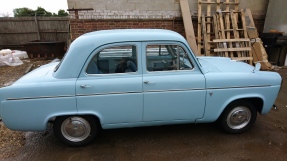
(238, 117)
(75, 130)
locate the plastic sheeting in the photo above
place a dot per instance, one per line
(12, 58)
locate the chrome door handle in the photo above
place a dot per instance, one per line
(148, 82)
(85, 86)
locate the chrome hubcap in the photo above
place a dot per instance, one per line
(75, 129)
(239, 117)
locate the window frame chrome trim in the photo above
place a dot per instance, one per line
(160, 44)
(103, 47)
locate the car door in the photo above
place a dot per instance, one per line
(173, 86)
(110, 84)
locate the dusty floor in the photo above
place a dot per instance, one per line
(267, 140)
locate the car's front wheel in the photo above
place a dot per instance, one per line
(238, 117)
(75, 130)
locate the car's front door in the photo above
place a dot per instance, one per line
(110, 85)
(173, 86)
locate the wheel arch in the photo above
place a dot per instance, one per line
(96, 117)
(257, 102)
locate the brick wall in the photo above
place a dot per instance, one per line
(81, 26)
(160, 14)
(149, 9)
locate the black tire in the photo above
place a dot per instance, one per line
(238, 117)
(75, 130)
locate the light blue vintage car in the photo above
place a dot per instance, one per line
(136, 77)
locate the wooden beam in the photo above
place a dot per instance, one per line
(242, 58)
(33, 32)
(199, 28)
(232, 49)
(208, 28)
(228, 3)
(248, 18)
(188, 26)
(244, 24)
(221, 26)
(258, 51)
(205, 40)
(80, 9)
(217, 5)
(235, 30)
(230, 40)
(227, 24)
(37, 28)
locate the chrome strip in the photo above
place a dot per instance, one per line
(111, 74)
(97, 94)
(134, 92)
(103, 48)
(23, 98)
(252, 86)
(196, 89)
(176, 90)
(170, 44)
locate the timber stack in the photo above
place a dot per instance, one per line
(227, 31)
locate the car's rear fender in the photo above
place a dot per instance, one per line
(34, 114)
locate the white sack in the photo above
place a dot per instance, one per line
(7, 58)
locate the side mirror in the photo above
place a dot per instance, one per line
(257, 67)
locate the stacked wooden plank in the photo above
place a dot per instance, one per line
(223, 32)
(258, 51)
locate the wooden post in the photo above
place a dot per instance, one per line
(227, 24)
(258, 51)
(222, 32)
(199, 27)
(208, 30)
(205, 38)
(37, 27)
(188, 26)
(235, 30)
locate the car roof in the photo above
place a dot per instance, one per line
(84, 45)
(117, 35)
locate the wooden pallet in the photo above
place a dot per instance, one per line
(243, 53)
(232, 41)
(223, 32)
(205, 22)
(228, 32)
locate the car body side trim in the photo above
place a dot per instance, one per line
(97, 94)
(40, 97)
(133, 92)
(251, 86)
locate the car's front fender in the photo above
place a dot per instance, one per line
(218, 99)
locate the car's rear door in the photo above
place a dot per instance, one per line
(110, 85)
(173, 86)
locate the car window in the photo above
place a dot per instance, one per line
(116, 59)
(167, 57)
